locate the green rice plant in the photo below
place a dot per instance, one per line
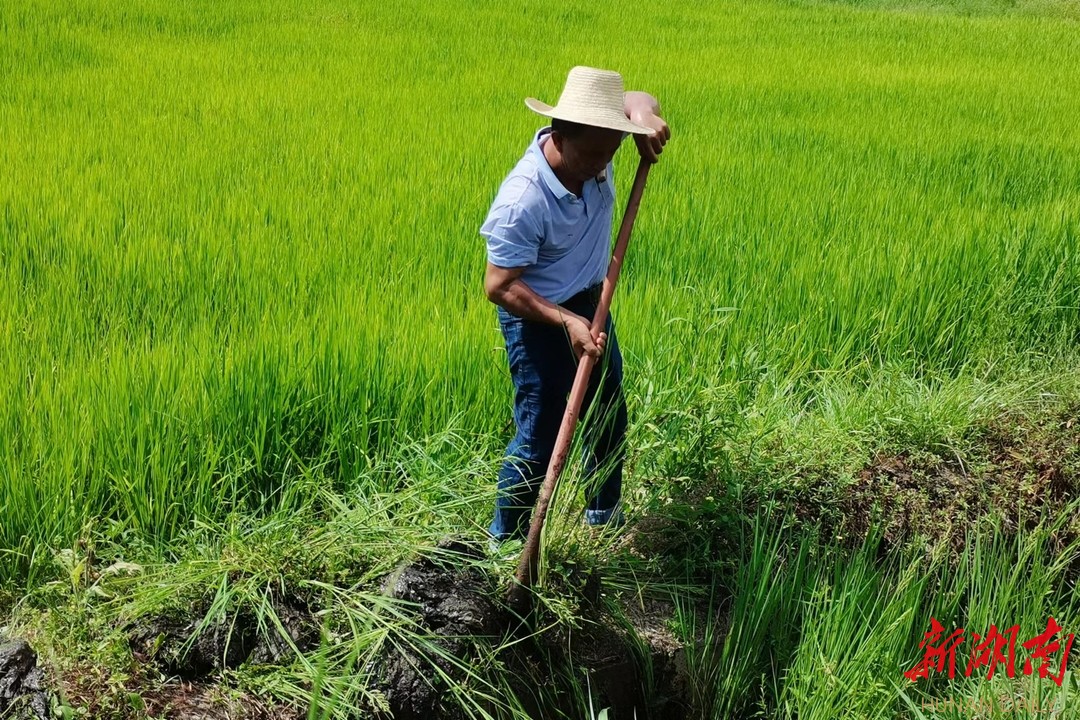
(1003, 583)
(243, 340)
(753, 632)
(830, 633)
(856, 623)
(232, 248)
(861, 630)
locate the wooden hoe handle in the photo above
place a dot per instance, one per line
(518, 597)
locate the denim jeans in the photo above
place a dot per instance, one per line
(542, 367)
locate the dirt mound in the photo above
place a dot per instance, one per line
(22, 683)
(1017, 475)
(460, 607)
(231, 641)
(454, 606)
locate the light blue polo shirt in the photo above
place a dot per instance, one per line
(562, 241)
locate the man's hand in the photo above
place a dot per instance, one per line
(650, 146)
(643, 109)
(504, 287)
(581, 337)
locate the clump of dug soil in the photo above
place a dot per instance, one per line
(461, 609)
(22, 683)
(225, 644)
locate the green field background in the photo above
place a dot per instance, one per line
(239, 241)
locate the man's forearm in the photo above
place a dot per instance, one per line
(643, 109)
(521, 300)
(636, 102)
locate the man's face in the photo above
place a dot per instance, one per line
(586, 155)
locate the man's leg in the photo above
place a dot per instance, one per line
(605, 437)
(542, 368)
(519, 481)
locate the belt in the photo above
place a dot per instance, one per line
(589, 294)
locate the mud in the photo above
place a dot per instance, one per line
(182, 700)
(226, 644)
(22, 683)
(453, 602)
(461, 608)
(641, 676)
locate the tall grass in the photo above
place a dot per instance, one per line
(827, 634)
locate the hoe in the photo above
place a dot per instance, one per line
(519, 594)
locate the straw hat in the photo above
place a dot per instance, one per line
(591, 97)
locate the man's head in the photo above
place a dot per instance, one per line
(593, 98)
(585, 150)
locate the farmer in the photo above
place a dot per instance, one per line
(548, 236)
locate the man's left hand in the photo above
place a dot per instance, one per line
(650, 146)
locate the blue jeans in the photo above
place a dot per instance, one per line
(542, 367)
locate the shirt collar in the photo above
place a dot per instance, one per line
(553, 183)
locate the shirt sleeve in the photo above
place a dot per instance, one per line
(513, 236)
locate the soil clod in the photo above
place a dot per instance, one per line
(22, 683)
(452, 602)
(225, 644)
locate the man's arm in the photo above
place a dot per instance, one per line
(504, 287)
(643, 109)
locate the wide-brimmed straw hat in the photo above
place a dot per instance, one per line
(591, 97)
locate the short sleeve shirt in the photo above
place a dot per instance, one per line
(563, 241)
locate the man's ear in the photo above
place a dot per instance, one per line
(558, 139)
